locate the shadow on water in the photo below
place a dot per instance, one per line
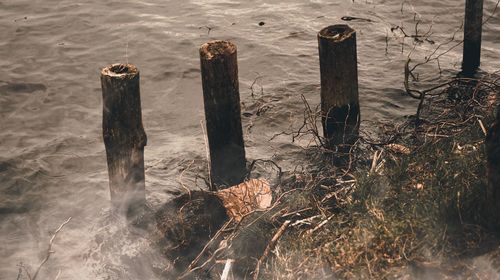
(21, 87)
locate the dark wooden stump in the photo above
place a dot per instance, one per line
(473, 26)
(219, 73)
(185, 225)
(493, 164)
(124, 135)
(339, 86)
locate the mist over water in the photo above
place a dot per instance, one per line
(52, 158)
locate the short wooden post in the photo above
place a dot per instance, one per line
(473, 26)
(219, 73)
(493, 164)
(339, 86)
(124, 135)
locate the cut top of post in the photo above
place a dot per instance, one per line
(119, 70)
(336, 33)
(215, 49)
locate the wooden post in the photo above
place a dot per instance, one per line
(493, 164)
(473, 26)
(219, 74)
(339, 86)
(124, 135)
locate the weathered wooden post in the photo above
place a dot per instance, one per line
(493, 164)
(473, 26)
(124, 135)
(339, 86)
(219, 73)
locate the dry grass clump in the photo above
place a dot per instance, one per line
(414, 211)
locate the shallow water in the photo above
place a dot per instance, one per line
(52, 159)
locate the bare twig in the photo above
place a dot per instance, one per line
(311, 231)
(20, 271)
(49, 250)
(223, 245)
(207, 27)
(191, 268)
(270, 247)
(58, 275)
(482, 127)
(308, 127)
(227, 269)
(305, 221)
(250, 168)
(376, 157)
(26, 270)
(492, 13)
(182, 175)
(254, 82)
(433, 56)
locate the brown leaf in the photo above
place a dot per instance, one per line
(246, 197)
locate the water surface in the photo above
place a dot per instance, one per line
(52, 158)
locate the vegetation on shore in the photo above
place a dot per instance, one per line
(406, 204)
(412, 207)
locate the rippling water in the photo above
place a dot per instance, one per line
(52, 160)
